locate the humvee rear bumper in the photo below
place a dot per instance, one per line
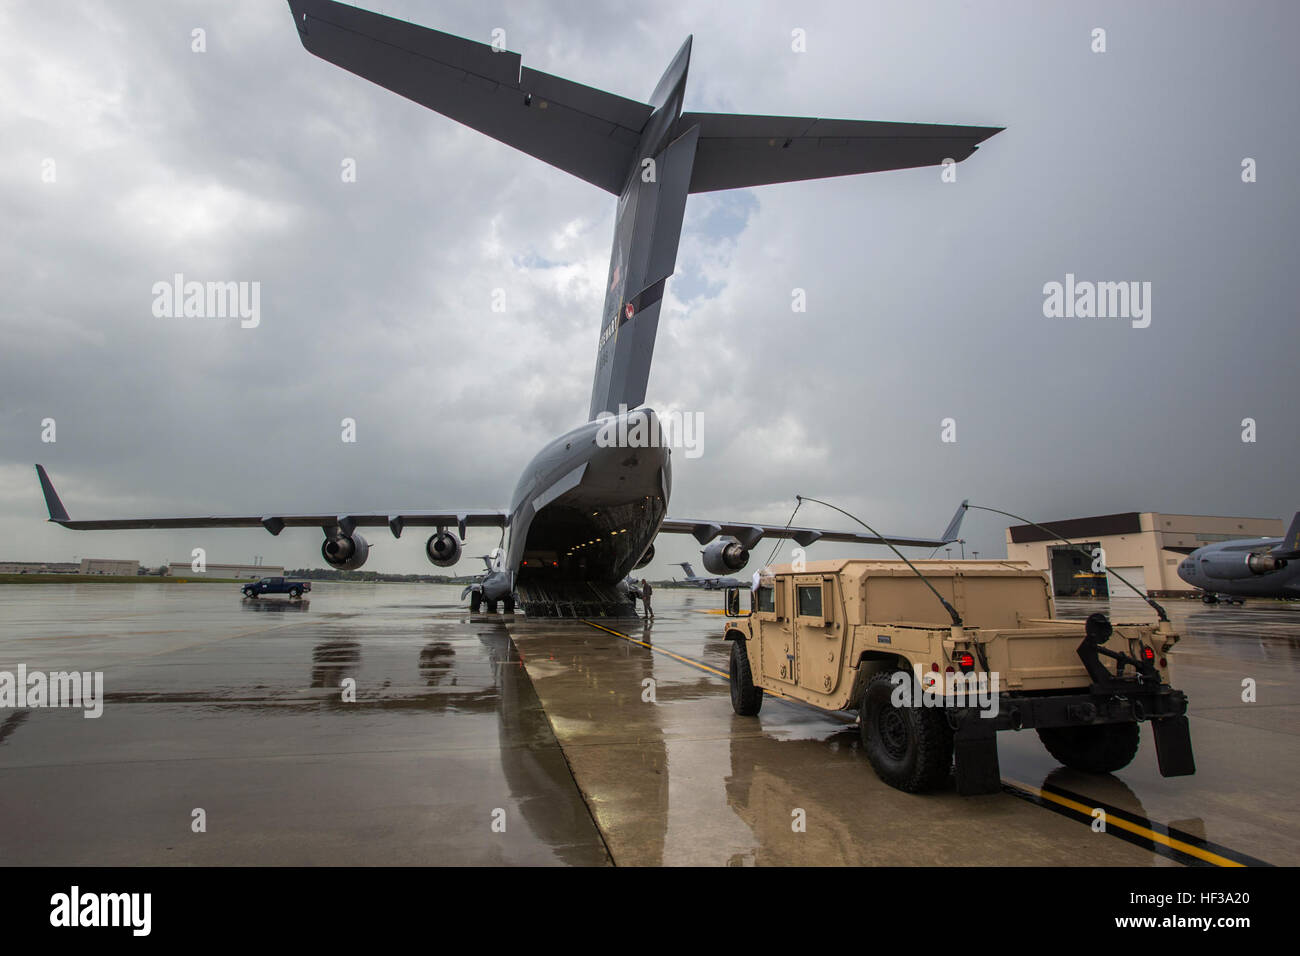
(975, 735)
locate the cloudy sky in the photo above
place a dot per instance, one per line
(924, 298)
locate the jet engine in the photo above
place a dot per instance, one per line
(725, 556)
(1235, 566)
(443, 549)
(647, 557)
(346, 552)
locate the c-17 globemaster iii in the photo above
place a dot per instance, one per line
(584, 515)
(709, 584)
(1246, 567)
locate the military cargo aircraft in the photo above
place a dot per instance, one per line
(1246, 567)
(585, 513)
(709, 584)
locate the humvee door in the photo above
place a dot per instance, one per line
(819, 631)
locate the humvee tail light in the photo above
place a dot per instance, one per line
(965, 660)
(1148, 654)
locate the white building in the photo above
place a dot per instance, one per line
(1145, 547)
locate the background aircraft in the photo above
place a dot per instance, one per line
(709, 584)
(1248, 567)
(585, 512)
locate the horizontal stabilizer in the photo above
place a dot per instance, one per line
(584, 131)
(737, 150)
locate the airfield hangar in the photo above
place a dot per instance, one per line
(1144, 546)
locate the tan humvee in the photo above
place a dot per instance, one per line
(870, 636)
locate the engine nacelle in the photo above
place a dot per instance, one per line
(1233, 567)
(346, 552)
(725, 556)
(647, 557)
(443, 549)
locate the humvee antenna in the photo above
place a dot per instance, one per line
(956, 618)
(776, 543)
(1160, 611)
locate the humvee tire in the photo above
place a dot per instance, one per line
(909, 747)
(475, 601)
(746, 699)
(1099, 748)
(508, 604)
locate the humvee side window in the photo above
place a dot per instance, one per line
(809, 600)
(766, 600)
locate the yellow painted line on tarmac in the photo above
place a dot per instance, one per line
(677, 657)
(659, 650)
(1112, 820)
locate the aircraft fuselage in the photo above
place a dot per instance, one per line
(586, 511)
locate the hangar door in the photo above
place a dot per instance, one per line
(1137, 576)
(1071, 570)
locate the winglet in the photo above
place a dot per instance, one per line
(52, 502)
(950, 532)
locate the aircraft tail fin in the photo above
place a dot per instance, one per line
(951, 532)
(1290, 547)
(52, 503)
(686, 566)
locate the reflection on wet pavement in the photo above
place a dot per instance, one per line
(250, 723)
(590, 747)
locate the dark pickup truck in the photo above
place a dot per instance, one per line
(295, 589)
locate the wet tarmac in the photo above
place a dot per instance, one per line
(493, 740)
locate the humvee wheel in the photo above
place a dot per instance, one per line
(1098, 748)
(508, 605)
(491, 607)
(746, 699)
(909, 747)
(475, 601)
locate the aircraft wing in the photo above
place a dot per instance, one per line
(584, 131)
(737, 150)
(749, 534)
(395, 521)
